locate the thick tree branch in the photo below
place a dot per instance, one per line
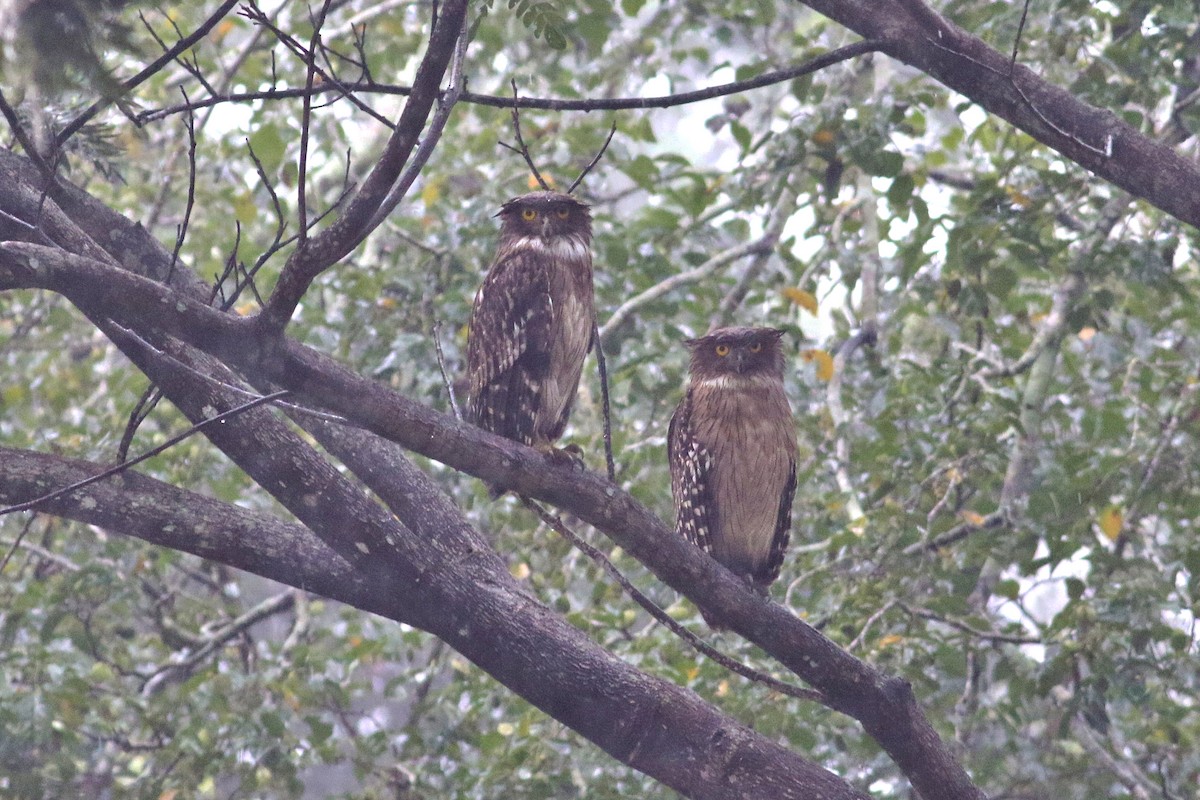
(472, 603)
(1094, 138)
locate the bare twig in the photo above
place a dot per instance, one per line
(522, 149)
(625, 310)
(991, 636)
(556, 524)
(23, 138)
(344, 90)
(441, 359)
(554, 104)
(145, 404)
(310, 73)
(1140, 785)
(574, 184)
(180, 670)
(174, 440)
(181, 229)
(16, 543)
(361, 214)
(182, 46)
(1012, 64)
(609, 463)
(837, 412)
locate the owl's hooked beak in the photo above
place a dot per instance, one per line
(545, 226)
(739, 361)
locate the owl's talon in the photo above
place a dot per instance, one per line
(569, 456)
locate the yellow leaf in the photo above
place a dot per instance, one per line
(1110, 520)
(506, 729)
(520, 571)
(1086, 334)
(431, 192)
(692, 673)
(823, 136)
(804, 299)
(823, 360)
(723, 688)
(889, 640)
(1017, 197)
(972, 517)
(533, 184)
(222, 30)
(169, 794)
(387, 303)
(245, 209)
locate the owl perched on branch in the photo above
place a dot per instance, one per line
(732, 449)
(531, 324)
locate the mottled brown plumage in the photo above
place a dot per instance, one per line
(732, 450)
(531, 324)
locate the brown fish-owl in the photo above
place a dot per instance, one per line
(732, 449)
(531, 324)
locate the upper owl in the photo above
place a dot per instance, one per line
(742, 354)
(531, 324)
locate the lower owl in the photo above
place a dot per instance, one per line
(732, 449)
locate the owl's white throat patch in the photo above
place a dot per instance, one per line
(734, 381)
(571, 248)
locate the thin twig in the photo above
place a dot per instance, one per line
(1012, 64)
(16, 543)
(992, 636)
(174, 440)
(181, 229)
(612, 131)
(626, 309)
(556, 104)
(522, 149)
(306, 123)
(141, 410)
(182, 46)
(179, 670)
(556, 524)
(328, 82)
(14, 124)
(609, 463)
(441, 359)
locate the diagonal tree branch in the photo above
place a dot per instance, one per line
(323, 250)
(1094, 138)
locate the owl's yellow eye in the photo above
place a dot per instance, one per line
(722, 350)
(756, 347)
(528, 214)
(563, 213)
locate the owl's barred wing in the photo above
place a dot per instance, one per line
(691, 469)
(783, 531)
(508, 345)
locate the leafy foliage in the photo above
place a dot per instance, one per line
(1049, 647)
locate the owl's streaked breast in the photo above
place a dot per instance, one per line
(746, 423)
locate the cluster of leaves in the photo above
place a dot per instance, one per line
(1036, 644)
